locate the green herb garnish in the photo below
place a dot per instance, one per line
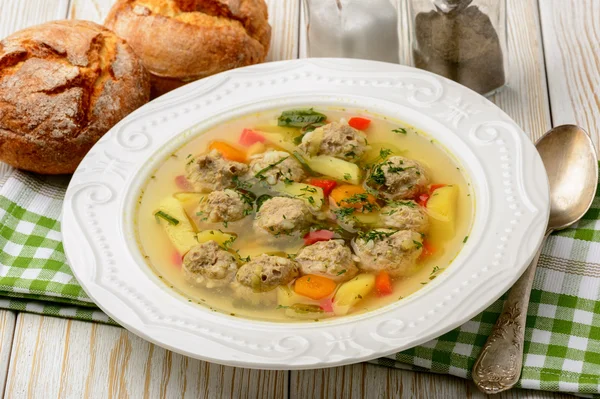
(261, 200)
(227, 244)
(347, 176)
(170, 219)
(384, 153)
(309, 189)
(300, 118)
(241, 185)
(341, 272)
(418, 244)
(465, 240)
(260, 174)
(344, 212)
(374, 235)
(400, 130)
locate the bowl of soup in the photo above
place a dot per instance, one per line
(307, 213)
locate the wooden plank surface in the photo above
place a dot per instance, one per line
(7, 328)
(54, 357)
(370, 381)
(571, 32)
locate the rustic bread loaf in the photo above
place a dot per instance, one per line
(63, 85)
(180, 41)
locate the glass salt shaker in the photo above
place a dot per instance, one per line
(366, 29)
(463, 40)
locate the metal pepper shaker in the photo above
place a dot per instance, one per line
(463, 40)
(365, 29)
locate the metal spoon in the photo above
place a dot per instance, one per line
(572, 166)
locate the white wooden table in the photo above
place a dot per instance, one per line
(554, 78)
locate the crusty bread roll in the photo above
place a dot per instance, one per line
(180, 41)
(63, 85)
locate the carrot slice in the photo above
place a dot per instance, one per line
(383, 284)
(349, 196)
(228, 151)
(427, 251)
(314, 287)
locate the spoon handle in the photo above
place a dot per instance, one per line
(498, 367)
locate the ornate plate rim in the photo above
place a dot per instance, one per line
(514, 212)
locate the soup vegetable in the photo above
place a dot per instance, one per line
(304, 214)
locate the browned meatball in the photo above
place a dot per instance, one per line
(265, 272)
(393, 251)
(331, 259)
(212, 172)
(209, 265)
(336, 139)
(281, 215)
(398, 178)
(405, 215)
(273, 166)
(223, 206)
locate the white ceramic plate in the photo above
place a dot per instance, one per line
(506, 174)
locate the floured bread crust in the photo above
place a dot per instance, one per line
(183, 40)
(63, 85)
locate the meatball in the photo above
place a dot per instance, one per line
(212, 172)
(265, 272)
(209, 265)
(338, 140)
(405, 215)
(393, 251)
(273, 166)
(398, 178)
(224, 206)
(281, 215)
(330, 259)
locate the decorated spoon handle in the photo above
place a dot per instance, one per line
(499, 364)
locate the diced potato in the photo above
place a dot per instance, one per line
(368, 218)
(351, 292)
(441, 208)
(215, 235)
(373, 153)
(279, 140)
(336, 168)
(314, 141)
(182, 234)
(256, 148)
(190, 202)
(189, 199)
(312, 195)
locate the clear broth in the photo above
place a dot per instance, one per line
(414, 144)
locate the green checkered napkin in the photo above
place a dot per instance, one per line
(562, 348)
